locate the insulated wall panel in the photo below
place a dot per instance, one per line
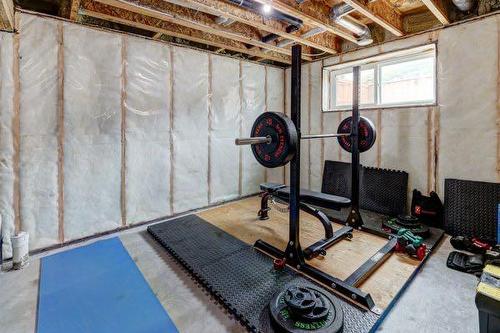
(92, 131)
(190, 129)
(147, 130)
(6, 142)
(316, 126)
(369, 158)
(468, 95)
(254, 104)
(404, 145)
(275, 103)
(39, 100)
(331, 148)
(344, 156)
(225, 118)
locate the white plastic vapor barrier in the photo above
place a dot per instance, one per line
(147, 124)
(405, 145)
(6, 142)
(254, 104)
(369, 158)
(92, 126)
(275, 103)
(315, 117)
(225, 115)
(331, 148)
(190, 129)
(39, 101)
(468, 78)
(116, 130)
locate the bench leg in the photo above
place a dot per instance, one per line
(264, 206)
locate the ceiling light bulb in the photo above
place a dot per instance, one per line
(266, 9)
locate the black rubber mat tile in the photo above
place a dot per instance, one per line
(380, 190)
(241, 278)
(471, 208)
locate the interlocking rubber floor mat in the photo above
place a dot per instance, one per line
(239, 277)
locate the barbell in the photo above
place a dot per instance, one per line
(274, 138)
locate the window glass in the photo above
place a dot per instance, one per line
(406, 82)
(343, 88)
(401, 78)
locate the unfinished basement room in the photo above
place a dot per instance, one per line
(264, 166)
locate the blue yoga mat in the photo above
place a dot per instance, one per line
(97, 288)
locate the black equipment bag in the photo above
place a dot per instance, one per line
(428, 209)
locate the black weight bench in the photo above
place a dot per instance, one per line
(307, 198)
(319, 199)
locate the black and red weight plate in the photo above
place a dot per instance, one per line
(283, 135)
(367, 134)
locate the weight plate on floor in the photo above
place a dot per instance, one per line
(284, 139)
(408, 220)
(289, 314)
(393, 226)
(367, 134)
(300, 299)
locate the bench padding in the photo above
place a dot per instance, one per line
(309, 197)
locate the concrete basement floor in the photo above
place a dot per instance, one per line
(438, 300)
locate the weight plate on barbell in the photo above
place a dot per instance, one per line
(283, 135)
(367, 134)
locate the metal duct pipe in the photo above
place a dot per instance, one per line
(269, 38)
(338, 15)
(256, 7)
(224, 21)
(340, 10)
(464, 5)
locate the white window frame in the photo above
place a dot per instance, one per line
(377, 62)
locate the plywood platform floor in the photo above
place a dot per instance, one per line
(240, 219)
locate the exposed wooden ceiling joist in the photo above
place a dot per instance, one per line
(6, 15)
(325, 42)
(75, 5)
(313, 14)
(381, 13)
(158, 26)
(195, 20)
(438, 9)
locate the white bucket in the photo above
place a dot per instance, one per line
(20, 250)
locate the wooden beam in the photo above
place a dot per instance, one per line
(141, 22)
(438, 8)
(157, 35)
(382, 13)
(327, 42)
(315, 14)
(199, 21)
(75, 5)
(7, 15)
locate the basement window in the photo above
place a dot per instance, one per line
(397, 79)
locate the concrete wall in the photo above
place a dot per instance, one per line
(455, 139)
(100, 130)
